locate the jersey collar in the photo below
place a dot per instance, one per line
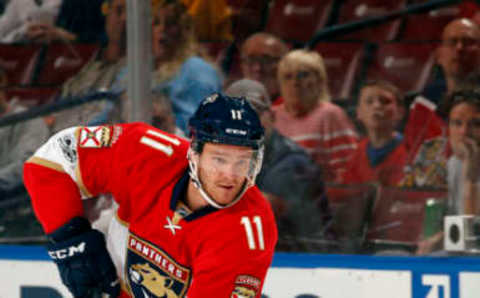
(179, 193)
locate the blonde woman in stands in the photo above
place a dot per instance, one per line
(308, 117)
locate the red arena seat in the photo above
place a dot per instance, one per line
(32, 96)
(19, 62)
(398, 215)
(407, 65)
(63, 60)
(431, 24)
(350, 206)
(343, 61)
(356, 10)
(297, 20)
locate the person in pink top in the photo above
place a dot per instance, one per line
(308, 117)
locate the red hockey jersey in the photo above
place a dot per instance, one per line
(389, 172)
(160, 248)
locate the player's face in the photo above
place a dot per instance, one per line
(223, 169)
(463, 125)
(378, 109)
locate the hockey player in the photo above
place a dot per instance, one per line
(189, 223)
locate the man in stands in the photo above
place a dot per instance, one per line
(425, 133)
(459, 59)
(260, 54)
(190, 221)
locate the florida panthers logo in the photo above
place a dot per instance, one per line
(243, 292)
(152, 273)
(151, 281)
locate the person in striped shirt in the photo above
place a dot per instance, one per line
(308, 117)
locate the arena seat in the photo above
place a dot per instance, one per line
(32, 96)
(216, 50)
(297, 20)
(248, 16)
(19, 62)
(398, 215)
(431, 24)
(350, 206)
(63, 60)
(343, 61)
(407, 65)
(356, 10)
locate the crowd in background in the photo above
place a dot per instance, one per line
(374, 172)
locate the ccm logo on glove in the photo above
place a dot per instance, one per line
(67, 252)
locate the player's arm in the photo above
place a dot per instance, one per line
(235, 264)
(54, 176)
(54, 179)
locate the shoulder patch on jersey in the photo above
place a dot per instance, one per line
(68, 146)
(95, 137)
(246, 286)
(117, 131)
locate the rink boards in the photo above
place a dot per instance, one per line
(25, 271)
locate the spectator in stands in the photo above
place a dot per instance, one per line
(380, 156)
(53, 20)
(98, 74)
(19, 141)
(260, 54)
(19, 15)
(289, 178)
(308, 117)
(463, 165)
(182, 73)
(459, 59)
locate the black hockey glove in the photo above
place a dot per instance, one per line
(82, 259)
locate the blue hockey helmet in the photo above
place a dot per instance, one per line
(226, 120)
(222, 119)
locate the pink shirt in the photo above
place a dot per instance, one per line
(326, 133)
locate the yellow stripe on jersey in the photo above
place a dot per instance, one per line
(83, 189)
(46, 163)
(121, 221)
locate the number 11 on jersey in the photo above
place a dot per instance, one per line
(247, 224)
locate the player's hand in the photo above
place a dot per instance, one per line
(83, 260)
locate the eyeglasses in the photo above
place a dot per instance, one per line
(298, 75)
(465, 41)
(262, 60)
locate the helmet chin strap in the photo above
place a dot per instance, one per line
(196, 182)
